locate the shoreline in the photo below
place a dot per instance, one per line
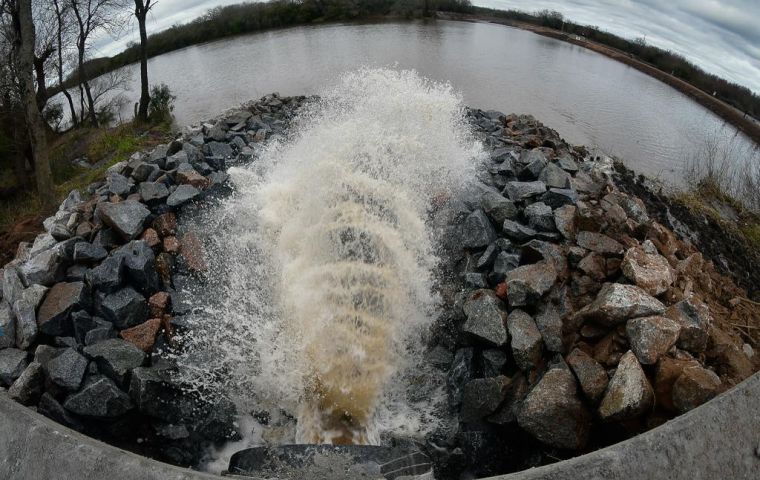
(743, 123)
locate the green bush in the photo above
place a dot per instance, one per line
(161, 103)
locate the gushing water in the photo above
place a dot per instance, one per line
(321, 286)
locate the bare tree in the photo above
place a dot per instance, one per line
(92, 16)
(23, 44)
(142, 7)
(62, 12)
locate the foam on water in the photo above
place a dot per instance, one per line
(322, 266)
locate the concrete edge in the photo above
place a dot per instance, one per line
(720, 439)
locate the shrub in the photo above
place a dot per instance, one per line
(161, 103)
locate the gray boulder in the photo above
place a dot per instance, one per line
(156, 395)
(600, 243)
(44, 268)
(28, 387)
(99, 398)
(182, 195)
(558, 197)
(7, 325)
(26, 323)
(617, 302)
(12, 363)
(140, 265)
(67, 369)
(108, 276)
(461, 372)
(116, 358)
(629, 393)
(554, 177)
(482, 396)
(549, 324)
(12, 286)
(485, 318)
(506, 262)
(528, 283)
(85, 252)
(53, 317)
(477, 231)
(651, 337)
(517, 231)
(694, 319)
(153, 192)
(119, 185)
(498, 208)
(518, 191)
(127, 218)
(591, 375)
(124, 308)
(540, 217)
(525, 341)
(219, 149)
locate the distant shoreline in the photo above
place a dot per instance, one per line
(744, 123)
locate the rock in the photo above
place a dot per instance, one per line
(12, 364)
(108, 276)
(158, 155)
(485, 318)
(100, 398)
(506, 262)
(44, 353)
(217, 132)
(628, 394)
(540, 217)
(88, 253)
(532, 170)
(597, 242)
(477, 231)
(145, 171)
(553, 413)
(119, 185)
(7, 326)
(498, 208)
(482, 396)
(518, 191)
(67, 369)
(558, 197)
(12, 286)
(156, 395)
(494, 361)
(617, 302)
(488, 257)
(475, 280)
(528, 283)
(651, 337)
(565, 220)
(525, 340)
(143, 336)
(126, 218)
(219, 149)
(566, 163)
(82, 323)
(518, 232)
(182, 195)
(591, 375)
(554, 177)
(649, 271)
(150, 237)
(667, 372)
(153, 192)
(461, 372)
(694, 319)
(695, 386)
(115, 358)
(54, 315)
(50, 407)
(28, 387)
(172, 245)
(26, 323)
(124, 308)
(166, 224)
(193, 153)
(44, 268)
(187, 175)
(104, 331)
(140, 265)
(549, 324)
(594, 265)
(191, 249)
(159, 304)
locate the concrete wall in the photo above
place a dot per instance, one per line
(719, 440)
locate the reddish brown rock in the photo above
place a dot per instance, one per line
(191, 250)
(158, 304)
(566, 221)
(668, 371)
(650, 271)
(164, 264)
(594, 265)
(501, 290)
(192, 178)
(695, 386)
(150, 237)
(143, 336)
(171, 245)
(165, 224)
(597, 242)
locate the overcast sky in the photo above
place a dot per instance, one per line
(721, 36)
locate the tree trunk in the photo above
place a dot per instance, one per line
(23, 48)
(84, 83)
(141, 12)
(59, 19)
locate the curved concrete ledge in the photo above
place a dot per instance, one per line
(720, 439)
(33, 447)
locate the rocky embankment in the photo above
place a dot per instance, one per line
(89, 310)
(574, 318)
(583, 321)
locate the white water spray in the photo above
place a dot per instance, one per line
(324, 261)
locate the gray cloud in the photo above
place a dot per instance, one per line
(721, 36)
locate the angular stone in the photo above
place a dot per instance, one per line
(649, 271)
(628, 394)
(558, 197)
(667, 372)
(695, 386)
(108, 276)
(44, 268)
(166, 224)
(462, 371)
(554, 177)
(485, 318)
(7, 326)
(565, 219)
(50, 407)
(44, 353)
(694, 318)
(28, 387)
(182, 195)
(87, 252)
(145, 171)
(119, 185)
(498, 208)
(651, 337)
(488, 257)
(156, 395)
(517, 231)
(540, 217)
(553, 413)
(477, 231)
(124, 308)
(159, 304)
(54, 315)
(187, 175)
(566, 163)
(12, 286)
(140, 265)
(549, 324)
(67, 369)
(193, 153)
(525, 340)
(26, 324)
(617, 302)
(153, 192)
(528, 283)
(591, 375)
(482, 396)
(597, 242)
(126, 218)
(12, 364)
(532, 170)
(191, 249)
(150, 237)
(100, 398)
(115, 358)
(143, 336)
(493, 362)
(518, 191)
(506, 262)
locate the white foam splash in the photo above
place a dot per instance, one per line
(322, 269)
